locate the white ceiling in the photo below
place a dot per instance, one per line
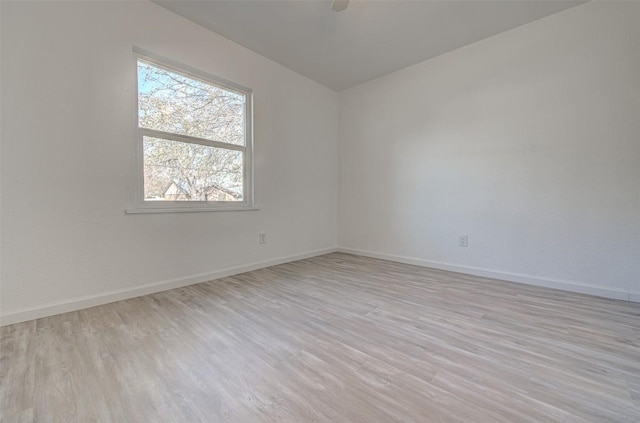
(368, 39)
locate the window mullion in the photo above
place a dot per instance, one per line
(189, 139)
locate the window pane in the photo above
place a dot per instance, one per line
(171, 102)
(178, 171)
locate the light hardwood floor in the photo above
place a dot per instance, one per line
(336, 338)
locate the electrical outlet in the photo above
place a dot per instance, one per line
(463, 240)
(262, 238)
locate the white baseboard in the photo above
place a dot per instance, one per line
(79, 303)
(507, 276)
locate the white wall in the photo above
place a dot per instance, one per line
(529, 142)
(68, 136)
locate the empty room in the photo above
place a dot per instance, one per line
(297, 211)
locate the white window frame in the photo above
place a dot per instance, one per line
(142, 206)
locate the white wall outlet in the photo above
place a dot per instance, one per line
(463, 240)
(262, 238)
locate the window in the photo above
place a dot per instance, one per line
(195, 138)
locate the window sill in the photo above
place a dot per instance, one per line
(188, 210)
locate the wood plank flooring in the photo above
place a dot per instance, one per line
(337, 338)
